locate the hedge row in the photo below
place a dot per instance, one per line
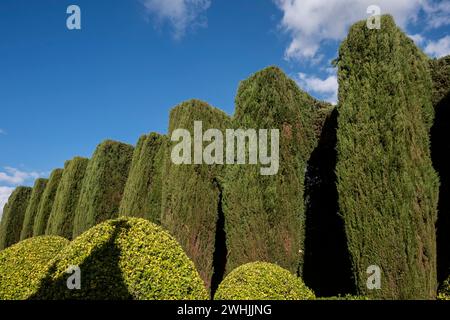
(191, 193)
(264, 215)
(61, 219)
(46, 203)
(143, 190)
(103, 185)
(32, 209)
(13, 216)
(387, 186)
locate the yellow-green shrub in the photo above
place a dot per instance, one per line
(124, 259)
(22, 265)
(262, 281)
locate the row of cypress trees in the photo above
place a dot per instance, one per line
(373, 200)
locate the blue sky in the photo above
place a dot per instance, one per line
(64, 91)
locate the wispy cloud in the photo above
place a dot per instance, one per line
(438, 48)
(182, 15)
(15, 176)
(5, 192)
(327, 87)
(2, 131)
(310, 23)
(417, 38)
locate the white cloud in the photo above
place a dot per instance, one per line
(181, 14)
(437, 13)
(438, 48)
(2, 131)
(311, 22)
(15, 176)
(327, 87)
(5, 192)
(417, 38)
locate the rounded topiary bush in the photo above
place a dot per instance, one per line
(124, 259)
(23, 265)
(262, 281)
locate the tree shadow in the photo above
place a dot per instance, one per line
(101, 276)
(440, 153)
(327, 266)
(221, 252)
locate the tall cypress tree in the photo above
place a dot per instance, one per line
(60, 222)
(440, 146)
(265, 214)
(13, 215)
(103, 185)
(387, 187)
(191, 192)
(46, 203)
(143, 191)
(32, 209)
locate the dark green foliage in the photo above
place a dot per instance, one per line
(13, 215)
(387, 187)
(103, 185)
(124, 259)
(46, 203)
(143, 191)
(440, 151)
(60, 222)
(264, 215)
(440, 73)
(191, 192)
(32, 209)
(23, 265)
(262, 281)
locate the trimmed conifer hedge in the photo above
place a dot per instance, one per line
(265, 215)
(126, 258)
(13, 215)
(103, 185)
(440, 72)
(23, 265)
(32, 209)
(388, 189)
(191, 192)
(143, 190)
(60, 222)
(262, 281)
(46, 203)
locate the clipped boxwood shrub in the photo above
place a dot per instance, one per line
(46, 203)
(444, 290)
(103, 185)
(262, 281)
(264, 214)
(388, 189)
(60, 222)
(13, 215)
(191, 192)
(32, 209)
(126, 258)
(142, 195)
(23, 265)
